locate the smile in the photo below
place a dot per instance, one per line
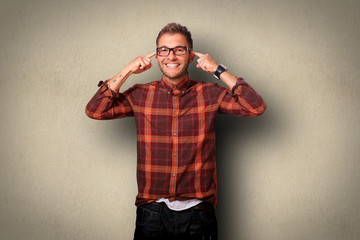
(172, 65)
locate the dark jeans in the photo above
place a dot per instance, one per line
(157, 221)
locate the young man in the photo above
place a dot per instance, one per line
(175, 122)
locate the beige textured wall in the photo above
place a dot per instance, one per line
(292, 173)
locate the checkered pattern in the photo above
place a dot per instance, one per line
(176, 132)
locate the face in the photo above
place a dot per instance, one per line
(174, 67)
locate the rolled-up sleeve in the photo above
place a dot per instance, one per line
(241, 100)
(106, 104)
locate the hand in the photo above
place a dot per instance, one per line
(141, 63)
(205, 62)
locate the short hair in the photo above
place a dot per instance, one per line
(173, 28)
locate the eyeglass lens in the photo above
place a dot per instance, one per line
(164, 51)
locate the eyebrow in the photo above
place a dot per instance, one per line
(172, 47)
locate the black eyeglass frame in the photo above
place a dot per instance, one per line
(172, 49)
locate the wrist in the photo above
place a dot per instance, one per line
(220, 69)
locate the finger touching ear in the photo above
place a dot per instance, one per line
(197, 54)
(151, 55)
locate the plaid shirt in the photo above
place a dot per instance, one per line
(176, 132)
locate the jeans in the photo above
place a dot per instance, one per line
(157, 221)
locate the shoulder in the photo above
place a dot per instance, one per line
(140, 87)
(139, 90)
(145, 85)
(206, 86)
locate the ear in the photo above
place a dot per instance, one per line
(192, 56)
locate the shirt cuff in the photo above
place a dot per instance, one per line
(104, 88)
(236, 90)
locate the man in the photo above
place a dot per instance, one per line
(175, 121)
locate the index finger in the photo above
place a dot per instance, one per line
(150, 55)
(197, 54)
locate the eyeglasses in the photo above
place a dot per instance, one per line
(178, 51)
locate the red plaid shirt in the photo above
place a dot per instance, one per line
(176, 132)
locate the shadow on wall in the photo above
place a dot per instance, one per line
(233, 134)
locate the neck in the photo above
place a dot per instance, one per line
(175, 81)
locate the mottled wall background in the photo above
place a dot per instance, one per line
(292, 173)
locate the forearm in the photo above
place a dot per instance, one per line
(138, 65)
(119, 79)
(208, 64)
(229, 79)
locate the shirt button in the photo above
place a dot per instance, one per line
(174, 134)
(175, 98)
(173, 174)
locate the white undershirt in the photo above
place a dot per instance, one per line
(179, 205)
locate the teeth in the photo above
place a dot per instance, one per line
(172, 65)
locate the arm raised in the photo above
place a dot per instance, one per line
(136, 66)
(208, 64)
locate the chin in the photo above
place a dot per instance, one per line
(174, 76)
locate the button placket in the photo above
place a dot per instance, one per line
(174, 133)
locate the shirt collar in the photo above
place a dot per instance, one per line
(181, 86)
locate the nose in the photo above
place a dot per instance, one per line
(171, 54)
